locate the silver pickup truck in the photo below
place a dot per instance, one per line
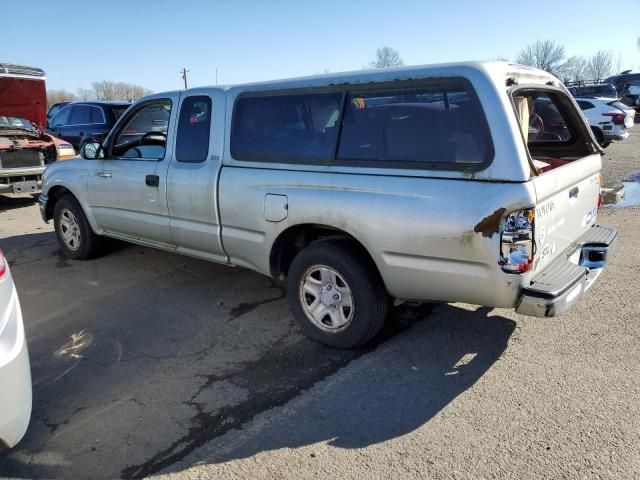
(472, 182)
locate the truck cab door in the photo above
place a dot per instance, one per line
(192, 180)
(128, 192)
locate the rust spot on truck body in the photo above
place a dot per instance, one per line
(491, 224)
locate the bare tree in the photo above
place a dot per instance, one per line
(57, 96)
(107, 90)
(600, 65)
(86, 93)
(544, 54)
(618, 64)
(386, 57)
(574, 69)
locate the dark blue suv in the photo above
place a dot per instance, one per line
(78, 122)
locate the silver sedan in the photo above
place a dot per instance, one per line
(15, 373)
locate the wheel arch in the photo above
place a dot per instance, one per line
(296, 237)
(56, 192)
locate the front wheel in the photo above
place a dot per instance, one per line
(75, 236)
(336, 294)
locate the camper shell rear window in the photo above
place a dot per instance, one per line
(552, 128)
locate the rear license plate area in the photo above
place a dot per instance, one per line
(30, 186)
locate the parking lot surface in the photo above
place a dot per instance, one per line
(149, 363)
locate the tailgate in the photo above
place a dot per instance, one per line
(566, 206)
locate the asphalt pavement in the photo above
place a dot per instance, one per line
(148, 363)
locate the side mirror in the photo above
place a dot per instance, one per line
(92, 150)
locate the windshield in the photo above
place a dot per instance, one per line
(15, 122)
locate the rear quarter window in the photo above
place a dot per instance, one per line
(194, 122)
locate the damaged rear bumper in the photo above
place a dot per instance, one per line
(563, 282)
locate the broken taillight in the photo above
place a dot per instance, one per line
(599, 190)
(516, 241)
(3, 265)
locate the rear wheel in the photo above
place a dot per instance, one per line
(336, 294)
(75, 236)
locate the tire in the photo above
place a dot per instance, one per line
(325, 271)
(599, 137)
(75, 236)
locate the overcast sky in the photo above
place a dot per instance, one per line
(147, 42)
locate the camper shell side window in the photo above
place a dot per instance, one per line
(428, 124)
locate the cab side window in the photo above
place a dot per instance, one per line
(192, 140)
(144, 135)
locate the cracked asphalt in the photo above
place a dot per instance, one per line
(147, 363)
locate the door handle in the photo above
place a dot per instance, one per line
(104, 174)
(573, 193)
(152, 180)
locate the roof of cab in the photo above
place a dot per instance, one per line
(497, 71)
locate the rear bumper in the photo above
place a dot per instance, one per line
(562, 283)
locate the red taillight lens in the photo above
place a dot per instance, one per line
(3, 265)
(616, 117)
(599, 190)
(516, 242)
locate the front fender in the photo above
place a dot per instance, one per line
(68, 176)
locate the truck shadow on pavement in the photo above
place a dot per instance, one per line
(389, 393)
(144, 361)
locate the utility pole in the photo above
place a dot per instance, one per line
(184, 72)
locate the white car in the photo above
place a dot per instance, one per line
(15, 372)
(609, 119)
